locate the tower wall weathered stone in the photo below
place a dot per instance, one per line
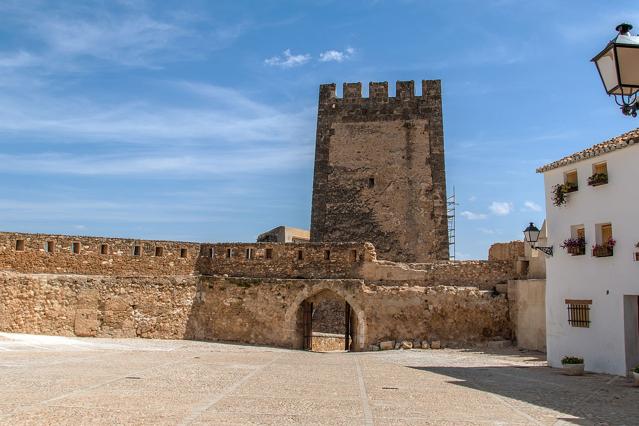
(379, 170)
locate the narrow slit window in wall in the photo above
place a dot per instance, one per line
(137, 250)
(269, 253)
(300, 255)
(159, 251)
(75, 248)
(19, 245)
(183, 252)
(49, 246)
(104, 249)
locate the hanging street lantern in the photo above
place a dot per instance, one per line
(618, 66)
(531, 236)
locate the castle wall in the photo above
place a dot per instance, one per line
(317, 260)
(102, 306)
(291, 260)
(484, 275)
(119, 259)
(379, 171)
(250, 310)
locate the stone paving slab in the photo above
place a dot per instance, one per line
(59, 380)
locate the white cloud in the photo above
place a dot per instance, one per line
(288, 60)
(17, 59)
(473, 216)
(532, 206)
(336, 55)
(228, 117)
(501, 208)
(487, 231)
(129, 35)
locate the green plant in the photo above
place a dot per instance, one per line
(572, 360)
(636, 369)
(559, 197)
(598, 179)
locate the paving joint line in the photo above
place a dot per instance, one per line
(198, 411)
(368, 415)
(87, 388)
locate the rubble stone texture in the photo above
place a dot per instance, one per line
(379, 170)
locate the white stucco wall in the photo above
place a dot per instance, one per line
(603, 280)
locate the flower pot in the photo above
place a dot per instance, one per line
(576, 250)
(636, 377)
(602, 251)
(573, 369)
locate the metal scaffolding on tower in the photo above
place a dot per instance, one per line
(451, 204)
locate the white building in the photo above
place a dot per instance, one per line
(591, 294)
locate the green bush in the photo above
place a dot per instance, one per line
(572, 360)
(636, 369)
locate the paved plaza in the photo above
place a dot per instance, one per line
(59, 380)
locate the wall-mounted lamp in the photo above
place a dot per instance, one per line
(531, 235)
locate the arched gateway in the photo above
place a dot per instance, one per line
(323, 315)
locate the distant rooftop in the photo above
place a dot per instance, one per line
(622, 141)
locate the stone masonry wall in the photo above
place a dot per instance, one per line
(279, 260)
(510, 251)
(484, 275)
(379, 170)
(42, 253)
(177, 258)
(260, 311)
(102, 306)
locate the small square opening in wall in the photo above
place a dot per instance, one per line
(19, 245)
(371, 182)
(159, 251)
(353, 255)
(49, 246)
(249, 253)
(104, 249)
(183, 252)
(269, 253)
(300, 255)
(571, 180)
(137, 250)
(75, 248)
(229, 253)
(327, 255)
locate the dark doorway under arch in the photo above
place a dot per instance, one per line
(327, 323)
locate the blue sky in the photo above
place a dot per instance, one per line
(195, 120)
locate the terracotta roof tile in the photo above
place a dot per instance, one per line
(622, 141)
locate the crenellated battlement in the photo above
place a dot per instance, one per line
(378, 92)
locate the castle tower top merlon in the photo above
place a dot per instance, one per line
(327, 93)
(405, 90)
(378, 90)
(352, 91)
(431, 88)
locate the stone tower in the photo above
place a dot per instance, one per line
(379, 170)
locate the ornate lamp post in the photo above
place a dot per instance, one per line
(618, 66)
(531, 235)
